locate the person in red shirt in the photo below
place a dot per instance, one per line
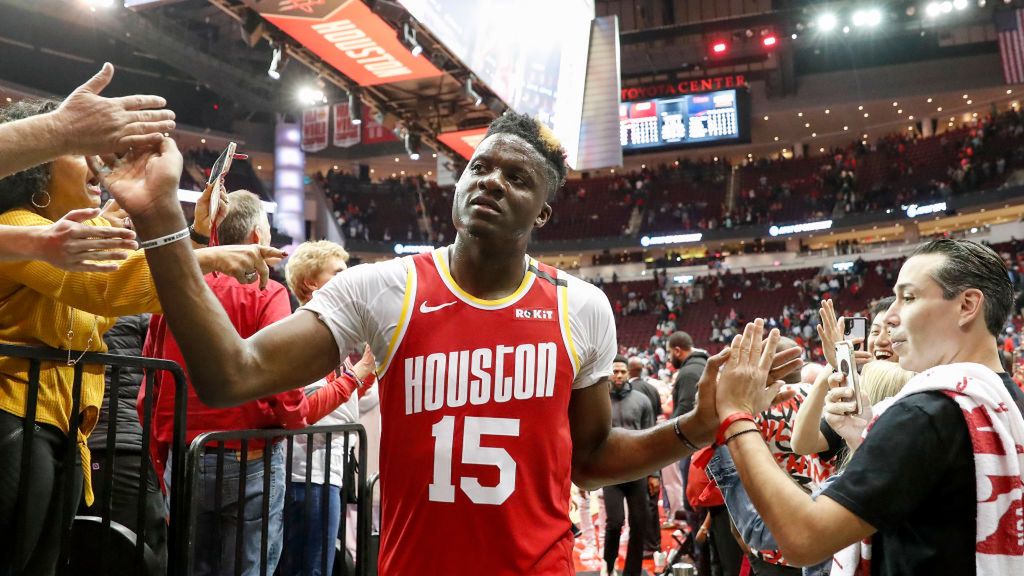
(249, 309)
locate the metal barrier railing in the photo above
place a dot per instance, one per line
(353, 487)
(183, 472)
(36, 357)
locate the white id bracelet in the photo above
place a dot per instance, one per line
(164, 240)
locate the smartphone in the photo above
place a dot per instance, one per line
(220, 168)
(856, 327)
(848, 366)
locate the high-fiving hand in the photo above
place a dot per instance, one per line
(145, 180)
(742, 381)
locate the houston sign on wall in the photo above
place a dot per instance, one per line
(349, 37)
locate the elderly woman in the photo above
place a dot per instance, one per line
(41, 305)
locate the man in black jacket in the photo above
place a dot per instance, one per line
(689, 364)
(126, 339)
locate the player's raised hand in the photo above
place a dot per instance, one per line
(145, 180)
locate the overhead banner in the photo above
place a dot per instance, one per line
(376, 133)
(346, 134)
(349, 37)
(314, 128)
(464, 141)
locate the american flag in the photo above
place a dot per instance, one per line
(1010, 27)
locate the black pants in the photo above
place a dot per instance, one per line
(124, 499)
(49, 509)
(727, 552)
(635, 495)
(653, 533)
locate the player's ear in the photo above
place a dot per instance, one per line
(543, 217)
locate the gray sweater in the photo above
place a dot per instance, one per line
(630, 409)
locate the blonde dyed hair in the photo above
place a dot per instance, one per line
(881, 380)
(308, 260)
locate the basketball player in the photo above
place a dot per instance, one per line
(493, 367)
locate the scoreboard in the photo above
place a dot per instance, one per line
(693, 119)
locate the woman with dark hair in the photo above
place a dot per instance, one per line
(41, 305)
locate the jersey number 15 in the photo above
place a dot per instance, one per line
(442, 489)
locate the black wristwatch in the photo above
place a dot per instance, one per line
(197, 237)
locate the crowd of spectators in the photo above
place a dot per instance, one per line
(690, 195)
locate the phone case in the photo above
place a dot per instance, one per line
(847, 364)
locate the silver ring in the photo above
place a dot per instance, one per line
(250, 276)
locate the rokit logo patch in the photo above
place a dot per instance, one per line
(535, 314)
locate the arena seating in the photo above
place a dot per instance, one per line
(898, 169)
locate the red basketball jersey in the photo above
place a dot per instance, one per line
(475, 445)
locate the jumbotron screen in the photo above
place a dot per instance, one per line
(694, 119)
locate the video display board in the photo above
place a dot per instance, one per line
(720, 117)
(531, 53)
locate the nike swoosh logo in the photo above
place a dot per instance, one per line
(424, 309)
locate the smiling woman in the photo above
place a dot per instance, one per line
(41, 305)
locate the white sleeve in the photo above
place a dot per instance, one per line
(592, 325)
(362, 304)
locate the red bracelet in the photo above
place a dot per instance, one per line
(729, 421)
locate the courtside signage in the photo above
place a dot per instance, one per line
(349, 37)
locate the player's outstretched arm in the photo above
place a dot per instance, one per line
(603, 455)
(225, 369)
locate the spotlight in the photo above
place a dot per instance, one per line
(355, 109)
(769, 41)
(960, 4)
(309, 95)
(719, 47)
(827, 22)
(472, 93)
(869, 17)
(275, 63)
(409, 35)
(413, 145)
(933, 9)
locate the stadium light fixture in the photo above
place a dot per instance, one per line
(310, 95)
(275, 63)
(933, 10)
(472, 93)
(867, 18)
(412, 145)
(827, 22)
(355, 109)
(960, 4)
(409, 35)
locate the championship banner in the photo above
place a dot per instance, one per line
(376, 133)
(346, 134)
(314, 128)
(349, 37)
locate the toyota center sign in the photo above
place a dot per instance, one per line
(349, 37)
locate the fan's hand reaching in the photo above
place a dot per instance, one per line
(145, 180)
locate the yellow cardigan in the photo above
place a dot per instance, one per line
(36, 300)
